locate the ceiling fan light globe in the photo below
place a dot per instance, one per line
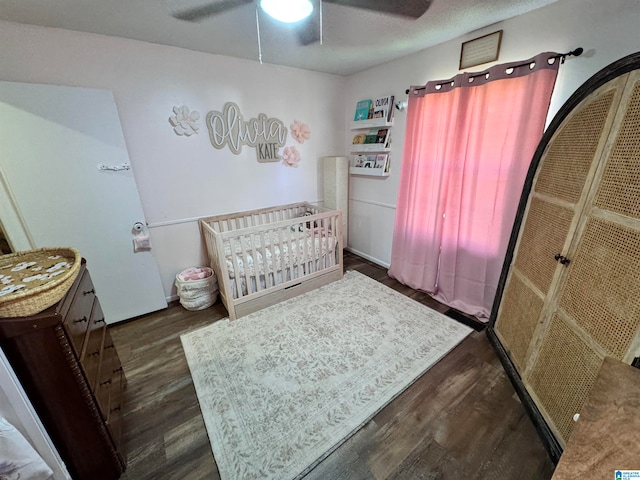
(287, 11)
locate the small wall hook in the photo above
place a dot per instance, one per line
(114, 168)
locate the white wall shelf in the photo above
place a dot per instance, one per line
(371, 123)
(378, 152)
(369, 148)
(368, 171)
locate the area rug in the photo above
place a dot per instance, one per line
(283, 387)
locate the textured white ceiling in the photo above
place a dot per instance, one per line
(354, 39)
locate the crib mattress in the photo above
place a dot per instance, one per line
(279, 255)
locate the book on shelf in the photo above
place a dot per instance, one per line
(382, 160)
(364, 161)
(383, 108)
(382, 135)
(358, 139)
(364, 110)
(371, 136)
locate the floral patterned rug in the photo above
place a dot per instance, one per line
(283, 387)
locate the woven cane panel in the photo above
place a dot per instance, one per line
(563, 375)
(619, 189)
(570, 154)
(602, 292)
(519, 313)
(544, 233)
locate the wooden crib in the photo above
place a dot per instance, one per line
(264, 256)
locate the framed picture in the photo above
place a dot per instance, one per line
(480, 50)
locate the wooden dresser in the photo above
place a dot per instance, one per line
(69, 368)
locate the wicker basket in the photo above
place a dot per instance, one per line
(43, 294)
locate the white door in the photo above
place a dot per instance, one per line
(52, 140)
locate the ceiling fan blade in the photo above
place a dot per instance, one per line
(308, 31)
(403, 8)
(198, 13)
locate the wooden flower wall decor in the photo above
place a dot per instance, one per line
(184, 122)
(290, 156)
(300, 131)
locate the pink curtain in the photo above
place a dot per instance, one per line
(467, 149)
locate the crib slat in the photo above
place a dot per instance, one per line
(329, 241)
(309, 246)
(324, 244)
(268, 270)
(280, 266)
(245, 261)
(293, 255)
(339, 238)
(272, 239)
(332, 239)
(256, 246)
(301, 251)
(236, 267)
(321, 244)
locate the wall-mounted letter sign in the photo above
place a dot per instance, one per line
(266, 135)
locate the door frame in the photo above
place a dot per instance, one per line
(11, 220)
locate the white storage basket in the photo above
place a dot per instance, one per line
(197, 288)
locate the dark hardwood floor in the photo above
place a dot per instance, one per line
(461, 419)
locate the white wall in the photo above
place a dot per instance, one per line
(607, 30)
(185, 177)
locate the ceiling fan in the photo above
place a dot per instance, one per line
(309, 30)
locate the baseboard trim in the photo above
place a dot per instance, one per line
(368, 257)
(465, 319)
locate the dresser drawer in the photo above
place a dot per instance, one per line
(116, 407)
(92, 347)
(109, 374)
(77, 319)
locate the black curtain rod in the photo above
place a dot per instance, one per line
(576, 53)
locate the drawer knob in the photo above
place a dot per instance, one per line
(109, 346)
(106, 382)
(89, 292)
(83, 319)
(99, 320)
(116, 408)
(119, 369)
